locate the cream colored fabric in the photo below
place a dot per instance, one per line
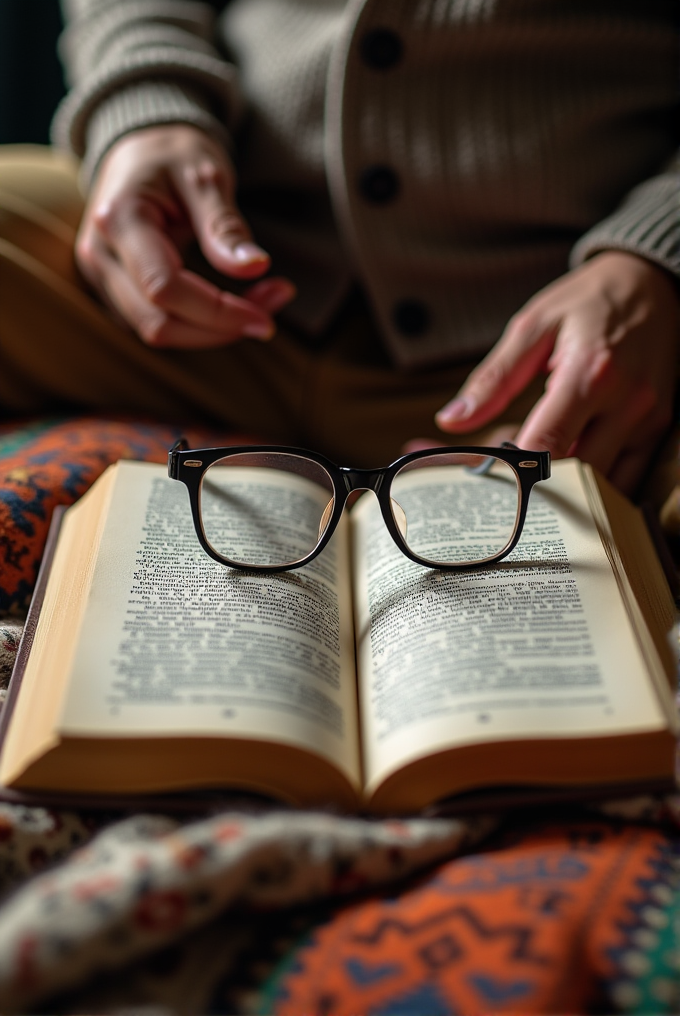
(520, 134)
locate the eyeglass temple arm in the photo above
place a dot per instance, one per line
(543, 462)
(488, 462)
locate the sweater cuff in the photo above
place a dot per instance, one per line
(197, 89)
(147, 104)
(647, 223)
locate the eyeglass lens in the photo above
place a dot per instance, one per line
(272, 508)
(265, 508)
(457, 508)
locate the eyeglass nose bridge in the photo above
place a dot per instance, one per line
(372, 479)
(362, 479)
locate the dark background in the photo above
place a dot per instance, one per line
(31, 81)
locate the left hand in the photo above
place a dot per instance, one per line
(607, 336)
(157, 188)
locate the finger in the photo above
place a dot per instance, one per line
(155, 325)
(622, 426)
(493, 437)
(92, 258)
(207, 190)
(191, 298)
(155, 268)
(271, 294)
(199, 302)
(561, 415)
(504, 432)
(89, 251)
(522, 351)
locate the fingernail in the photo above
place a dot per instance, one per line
(246, 251)
(459, 409)
(258, 330)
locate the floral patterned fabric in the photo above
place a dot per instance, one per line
(270, 911)
(145, 881)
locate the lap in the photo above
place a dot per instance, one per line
(61, 349)
(44, 178)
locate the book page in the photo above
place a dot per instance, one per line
(537, 646)
(173, 642)
(628, 543)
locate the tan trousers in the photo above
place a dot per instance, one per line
(60, 349)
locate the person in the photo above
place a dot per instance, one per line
(469, 209)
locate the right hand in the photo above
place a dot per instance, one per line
(157, 188)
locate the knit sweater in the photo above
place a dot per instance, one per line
(452, 156)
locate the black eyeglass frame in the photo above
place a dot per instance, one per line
(188, 465)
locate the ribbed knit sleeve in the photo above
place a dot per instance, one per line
(450, 156)
(139, 63)
(647, 223)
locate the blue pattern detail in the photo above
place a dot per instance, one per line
(425, 1000)
(494, 990)
(365, 974)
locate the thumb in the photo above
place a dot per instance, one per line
(207, 189)
(521, 352)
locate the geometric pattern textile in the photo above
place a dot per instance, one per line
(50, 462)
(552, 917)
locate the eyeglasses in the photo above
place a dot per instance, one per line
(269, 509)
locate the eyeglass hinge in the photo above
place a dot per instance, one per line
(180, 445)
(542, 463)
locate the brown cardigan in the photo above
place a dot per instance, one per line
(452, 155)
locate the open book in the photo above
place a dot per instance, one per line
(362, 680)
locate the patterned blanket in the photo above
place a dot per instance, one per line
(273, 911)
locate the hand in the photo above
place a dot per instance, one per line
(607, 336)
(158, 188)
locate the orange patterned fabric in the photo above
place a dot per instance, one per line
(574, 917)
(46, 463)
